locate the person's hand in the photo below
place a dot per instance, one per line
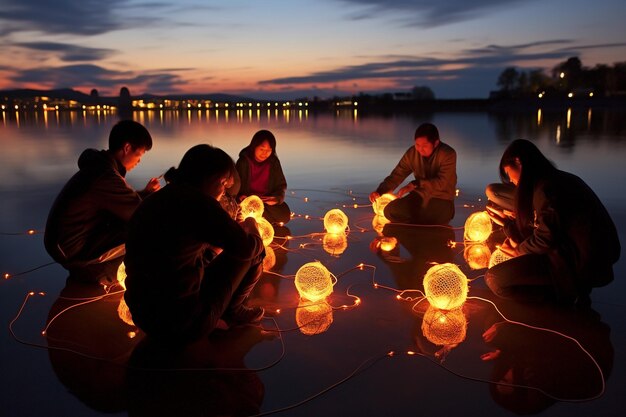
(270, 201)
(496, 215)
(509, 247)
(374, 196)
(406, 189)
(153, 185)
(489, 356)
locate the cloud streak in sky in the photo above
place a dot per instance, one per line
(67, 52)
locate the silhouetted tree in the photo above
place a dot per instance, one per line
(508, 79)
(422, 93)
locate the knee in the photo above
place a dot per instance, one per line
(495, 284)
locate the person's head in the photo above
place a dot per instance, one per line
(205, 167)
(426, 139)
(523, 165)
(128, 141)
(262, 145)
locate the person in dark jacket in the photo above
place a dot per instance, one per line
(86, 226)
(429, 198)
(261, 174)
(563, 241)
(188, 263)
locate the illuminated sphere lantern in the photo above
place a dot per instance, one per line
(335, 221)
(477, 255)
(381, 202)
(270, 259)
(252, 206)
(478, 227)
(444, 327)
(388, 243)
(121, 275)
(378, 223)
(266, 230)
(314, 318)
(445, 286)
(335, 243)
(313, 281)
(498, 257)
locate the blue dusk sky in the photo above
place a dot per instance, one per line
(298, 48)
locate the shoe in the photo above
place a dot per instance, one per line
(244, 315)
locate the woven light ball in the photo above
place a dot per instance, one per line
(252, 206)
(266, 230)
(335, 221)
(335, 243)
(498, 257)
(388, 243)
(445, 286)
(121, 275)
(478, 227)
(314, 318)
(270, 259)
(313, 281)
(378, 223)
(444, 327)
(381, 202)
(477, 255)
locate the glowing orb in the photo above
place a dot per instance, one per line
(478, 227)
(121, 275)
(313, 281)
(314, 318)
(444, 327)
(124, 313)
(381, 202)
(445, 286)
(335, 243)
(378, 223)
(252, 206)
(266, 230)
(388, 243)
(477, 255)
(270, 259)
(335, 221)
(498, 257)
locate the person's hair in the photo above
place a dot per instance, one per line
(427, 130)
(200, 165)
(260, 137)
(129, 131)
(535, 167)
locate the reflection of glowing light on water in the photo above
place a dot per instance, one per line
(381, 202)
(313, 281)
(478, 227)
(444, 327)
(388, 243)
(266, 230)
(335, 243)
(252, 206)
(335, 221)
(270, 259)
(445, 286)
(477, 255)
(498, 257)
(314, 318)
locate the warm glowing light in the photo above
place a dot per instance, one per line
(444, 328)
(477, 255)
(266, 230)
(381, 202)
(335, 243)
(313, 281)
(570, 95)
(562, 75)
(498, 257)
(270, 259)
(31, 232)
(335, 221)
(388, 243)
(478, 227)
(445, 286)
(314, 318)
(124, 313)
(252, 206)
(6, 276)
(378, 223)
(121, 275)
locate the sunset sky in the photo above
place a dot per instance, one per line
(297, 48)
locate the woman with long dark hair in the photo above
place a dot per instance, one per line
(563, 240)
(188, 262)
(261, 174)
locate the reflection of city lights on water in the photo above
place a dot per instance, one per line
(314, 318)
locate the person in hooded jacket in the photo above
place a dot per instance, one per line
(86, 226)
(261, 174)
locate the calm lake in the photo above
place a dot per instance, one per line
(330, 160)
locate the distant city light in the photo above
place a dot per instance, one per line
(570, 95)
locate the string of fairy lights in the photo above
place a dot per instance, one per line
(446, 290)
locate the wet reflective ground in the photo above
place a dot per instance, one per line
(373, 347)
